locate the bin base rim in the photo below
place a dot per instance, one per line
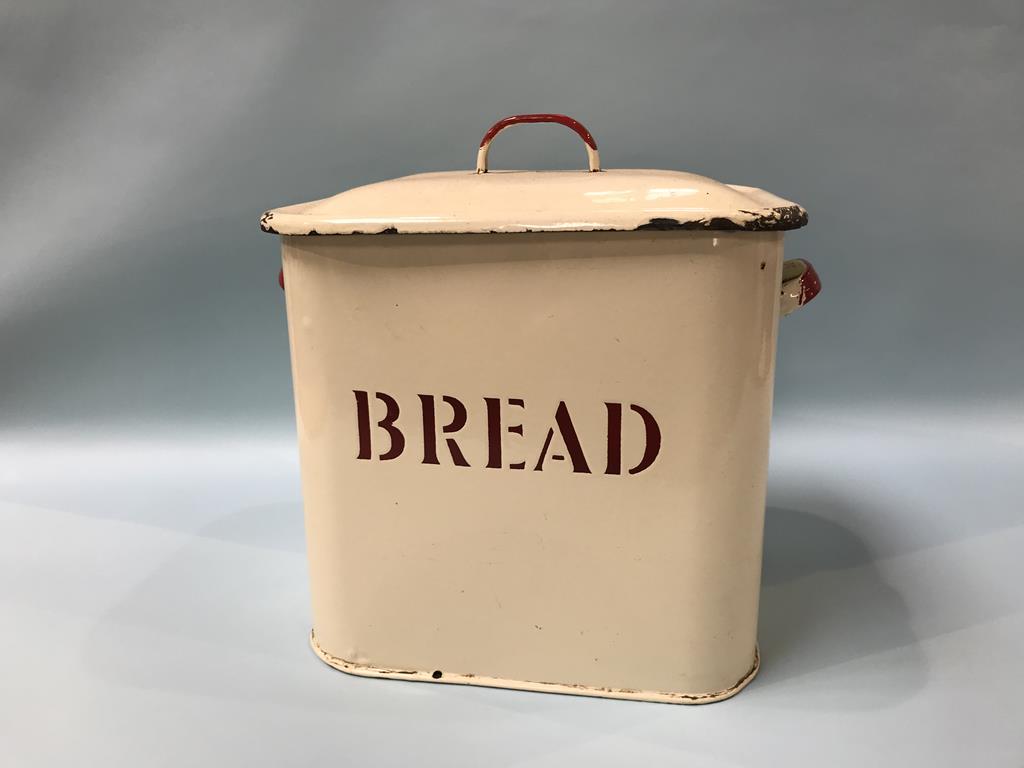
(450, 678)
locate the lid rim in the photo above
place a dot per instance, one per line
(618, 200)
(777, 219)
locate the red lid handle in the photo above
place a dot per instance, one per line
(485, 143)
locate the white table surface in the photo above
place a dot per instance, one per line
(154, 611)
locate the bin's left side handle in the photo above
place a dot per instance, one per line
(280, 278)
(800, 284)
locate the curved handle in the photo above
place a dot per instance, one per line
(485, 143)
(800, 284)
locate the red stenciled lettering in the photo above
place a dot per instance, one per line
(563, 421)
(494, 432)
(387, 424)
(459, 418)
(652, 439)
(614, 439)
(564, 429)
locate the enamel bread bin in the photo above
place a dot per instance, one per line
(533, 413)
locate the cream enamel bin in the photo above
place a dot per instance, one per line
(533, 413)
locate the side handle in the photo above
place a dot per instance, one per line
(800, 284)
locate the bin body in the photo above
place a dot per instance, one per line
(536, 460)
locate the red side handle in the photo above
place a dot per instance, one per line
(800, 284)
(810, 284)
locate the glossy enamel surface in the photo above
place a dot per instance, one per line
(552, 566)
(539, 201)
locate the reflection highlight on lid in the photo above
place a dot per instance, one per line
(612, 196)
(660, 193)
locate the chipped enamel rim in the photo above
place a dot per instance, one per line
(432, 676)
(457, 202)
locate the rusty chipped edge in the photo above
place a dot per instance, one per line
(781, 219)
(440, 676)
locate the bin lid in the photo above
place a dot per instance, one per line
(486, 201)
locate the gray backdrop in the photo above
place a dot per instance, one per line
(153, 590)
(141, 141)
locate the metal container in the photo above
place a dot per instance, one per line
(533, 413)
